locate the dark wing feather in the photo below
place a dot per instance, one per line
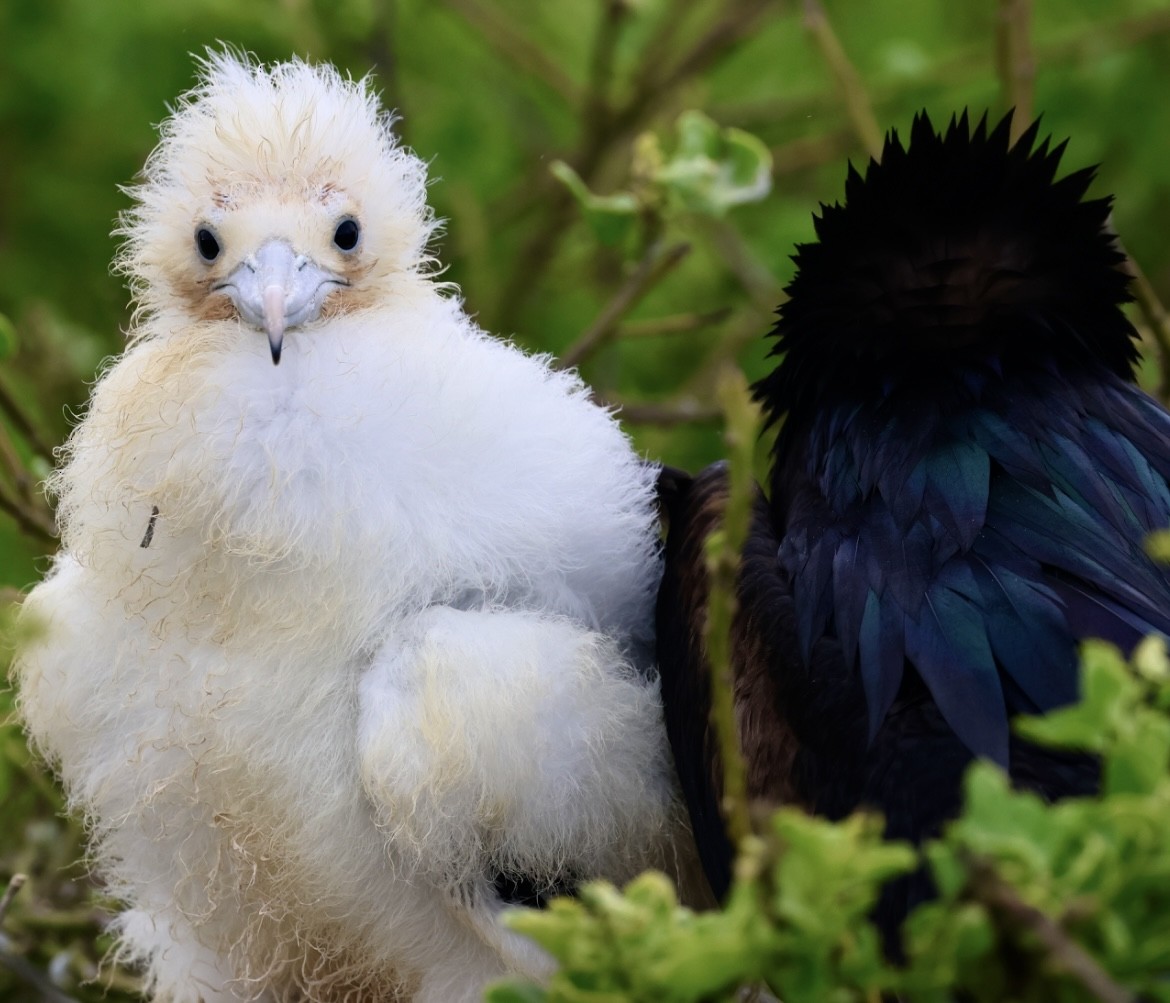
(692, 512)
(770, 748)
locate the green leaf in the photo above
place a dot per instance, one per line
(611, 217)
(714, 168)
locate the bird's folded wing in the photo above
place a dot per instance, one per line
(509, 741)
(777, 694)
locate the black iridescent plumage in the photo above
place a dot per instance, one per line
(960, 488)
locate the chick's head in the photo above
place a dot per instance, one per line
(277, 196)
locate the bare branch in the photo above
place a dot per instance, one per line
(723, 555)
(810, 151)
(28, 974)
(1085, 44)
(1059, 949)
(24, 424)
(681, 411)
(849, 83)
(380, 49)
(15, 883)
(597, 94)
(657, 48)
(11, 463)
(1157, 318)
(675, 323)
(518, 49)
(28, 518)
(1013, 60)
(723, 37)
(740, 260)
(650, 270)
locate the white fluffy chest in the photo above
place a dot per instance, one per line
(389, 462)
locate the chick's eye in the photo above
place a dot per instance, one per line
(207, 244)
(346, 234)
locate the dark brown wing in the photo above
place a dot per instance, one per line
(693, 509)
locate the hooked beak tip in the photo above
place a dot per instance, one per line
(274, 319)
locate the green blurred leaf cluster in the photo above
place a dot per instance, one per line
(1010, 871)
(795, 920)
(710, 170)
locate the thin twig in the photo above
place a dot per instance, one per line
(682, 411)
(1158, 319)
(380, 50)
(657, 48)
(849, 83)
(1059, 949)
(723, 37)
(15, 884)
(521, 51)
(597, 92)
(11, 462)
(28, 974)
(84, 918)
(810, 151)
(1092, 43)
(650, 270)
(739, 259)
(723, 559)
(29, 519)
(19, 966)
(1013, 60)
(24, 424)
(675, 323)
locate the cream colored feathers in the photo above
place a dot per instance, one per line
(334, 643)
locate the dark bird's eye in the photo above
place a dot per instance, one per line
(346, 234)
(207, 244)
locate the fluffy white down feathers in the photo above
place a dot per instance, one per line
(389, 636)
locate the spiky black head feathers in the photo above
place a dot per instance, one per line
(960, 249)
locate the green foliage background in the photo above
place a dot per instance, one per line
(491, 93)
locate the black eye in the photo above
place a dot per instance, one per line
(346, 235)
(207, 244)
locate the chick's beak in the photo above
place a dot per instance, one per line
(275, 289)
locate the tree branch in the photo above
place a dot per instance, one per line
(675, 323)
(1094, 42)
(739, 259)
(682, 411)
(380, 50)
(517, 48)
(597, 93)
(1057, 947)
(849, 83)
(723, 555)
(650, 270)
(27, 518)
(15, 883)
(1013, 60)
(1157, 318)
(24, 424)
(810, 151)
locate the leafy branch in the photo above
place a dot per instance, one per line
(606, 124)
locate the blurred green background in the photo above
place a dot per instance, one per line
(491, 93)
